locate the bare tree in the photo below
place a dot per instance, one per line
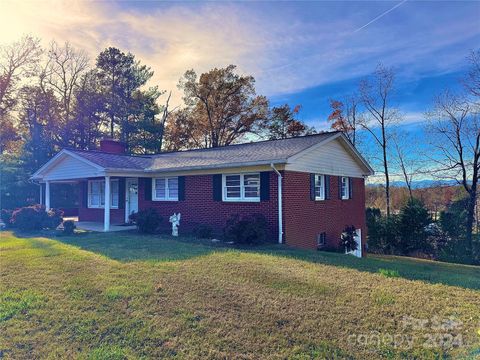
(455, 133)
(375, 94)
(406, 159)
(17, 60)
(63, 73)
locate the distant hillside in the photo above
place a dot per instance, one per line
(421, 184)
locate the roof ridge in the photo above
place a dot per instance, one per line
(247, 143)
(146, 156)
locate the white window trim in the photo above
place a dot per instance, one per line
(100, 206)
(322, 192)
(167, 197)
(242, 197)
(346, 196)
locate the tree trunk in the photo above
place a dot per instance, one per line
(385, 166)
(470, 219)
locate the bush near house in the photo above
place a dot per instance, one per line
(6, 216)
(148, 221)
(34, 218)
(248, 230)
(68, 227)
(347, 240)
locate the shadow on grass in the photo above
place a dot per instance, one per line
(131, 246)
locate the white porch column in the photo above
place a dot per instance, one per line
(106, 219)
(41, 194)
(47, 195)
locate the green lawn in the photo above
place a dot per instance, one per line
(120, 295)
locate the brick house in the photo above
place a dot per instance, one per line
(308, 188)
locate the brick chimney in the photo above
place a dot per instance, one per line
(112, 146)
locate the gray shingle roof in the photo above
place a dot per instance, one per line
(262, 152)
(115, 161)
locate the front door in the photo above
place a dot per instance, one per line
(131, 197)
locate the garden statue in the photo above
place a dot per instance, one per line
(175, 220)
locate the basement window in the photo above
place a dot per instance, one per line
(321, 240)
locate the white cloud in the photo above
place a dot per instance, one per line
(286, 51)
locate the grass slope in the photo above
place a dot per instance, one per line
(60, 301)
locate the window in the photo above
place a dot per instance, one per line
(241, 187)
(165, 189)
(321, 240)
(319, 187)
(345, 189)
(96, 193)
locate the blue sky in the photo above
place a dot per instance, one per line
(299, 52)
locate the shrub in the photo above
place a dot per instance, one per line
(148, 221)
(383, 233)
(69, 227)
(53, 219)
(30, 218)
(453, 220)
(6, 216)
(36, 218)
(132, 218)
(248, 230)
(203, 231)
(347, 239)
(412, 226)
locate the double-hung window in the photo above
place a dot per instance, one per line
(96, 193)
(345, 188)
(165, 188)
(319, 187)
(241, 187)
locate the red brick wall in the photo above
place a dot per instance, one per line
(304, 218)
(200, 208)
(117, 216)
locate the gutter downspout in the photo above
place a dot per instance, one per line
(280, 211)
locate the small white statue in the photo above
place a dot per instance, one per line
(175, 220)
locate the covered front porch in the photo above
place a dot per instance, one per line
(106, 198)
(98, 226)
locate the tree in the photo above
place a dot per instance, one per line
(406, 158)
(63, 75)
(345, 117)
(282, 123)
(183, 133)
(17, 60)
(455, 134)
(122, 78)
(85, 128)
(375, 94)
(223, 106)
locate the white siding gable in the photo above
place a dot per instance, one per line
(70, 168)
(332, 158)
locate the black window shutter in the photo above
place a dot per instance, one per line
(121, 193)
(84, 193)
(265, 186)
(217, 187)
(312, 187)
(181, 188)
(350, 188)
(147, 188)
(327, 187)
(340, 187)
